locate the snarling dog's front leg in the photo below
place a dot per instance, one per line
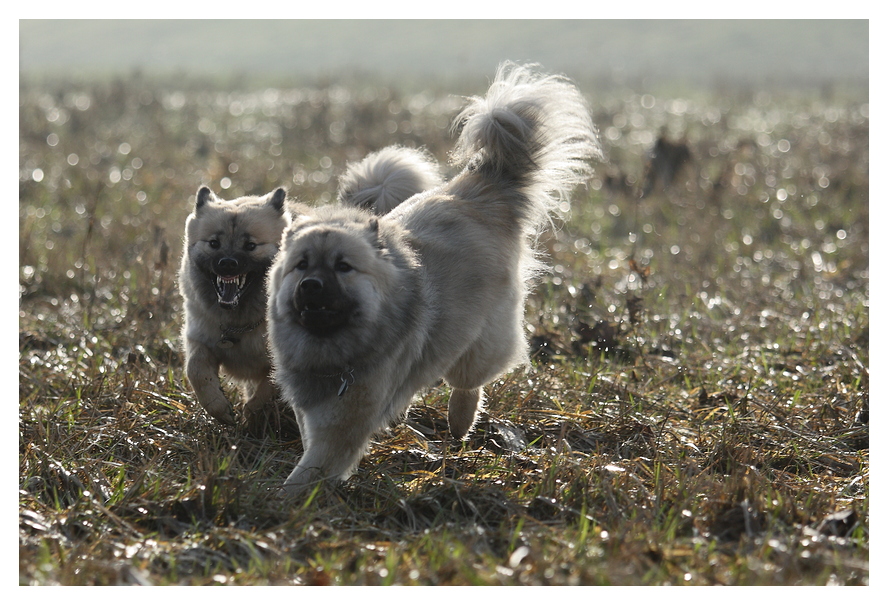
(202, 369)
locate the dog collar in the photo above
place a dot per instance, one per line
(347, 376)
(229, 335)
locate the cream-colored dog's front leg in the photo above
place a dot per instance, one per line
(332, 449)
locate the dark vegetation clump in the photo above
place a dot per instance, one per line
(697, 411)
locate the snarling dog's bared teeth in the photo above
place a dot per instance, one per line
(229, 289)
(227, 279)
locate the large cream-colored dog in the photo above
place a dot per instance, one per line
(365, 310)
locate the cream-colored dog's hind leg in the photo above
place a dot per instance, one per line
(463, 410)
(495, 352)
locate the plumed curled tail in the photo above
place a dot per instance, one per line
(532, 129)
(387, 177)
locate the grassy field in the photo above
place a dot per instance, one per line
(697, 412)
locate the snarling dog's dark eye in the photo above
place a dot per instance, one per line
(214, 244)
(343, 267)
(302, 265)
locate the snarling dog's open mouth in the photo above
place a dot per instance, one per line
(229, 289)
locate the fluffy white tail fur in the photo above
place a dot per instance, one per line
(533, 128)
(387, 177)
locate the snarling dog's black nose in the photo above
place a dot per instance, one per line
(227, 265)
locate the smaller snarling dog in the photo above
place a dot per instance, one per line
(229, 248)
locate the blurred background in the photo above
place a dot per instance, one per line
(724, 140)
(120, 121)
(676, 51)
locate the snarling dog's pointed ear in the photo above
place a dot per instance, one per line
(204, 195)
(277, 198)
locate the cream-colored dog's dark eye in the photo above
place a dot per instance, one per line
(214, 244)
(302, 265)
(250, 246)
(343, 267)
